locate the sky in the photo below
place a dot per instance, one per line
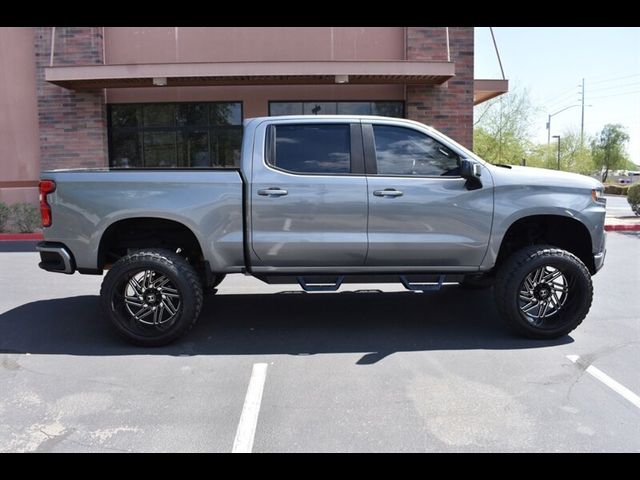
(551, 63)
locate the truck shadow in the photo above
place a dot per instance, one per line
(376, 324)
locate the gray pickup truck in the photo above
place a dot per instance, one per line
(326, 200)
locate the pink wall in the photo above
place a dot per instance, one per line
(256, 98)
(19, 139)
(126, 45)
(235, 44)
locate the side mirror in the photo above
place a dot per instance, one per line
(471, 171)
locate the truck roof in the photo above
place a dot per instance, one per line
(336, 117)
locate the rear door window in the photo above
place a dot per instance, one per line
(323, 149)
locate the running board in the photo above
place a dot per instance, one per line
(422, 287)
(320, 287)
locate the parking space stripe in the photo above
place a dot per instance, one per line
(609, 382)
(246, 431)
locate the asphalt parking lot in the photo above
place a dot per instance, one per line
(349, 372)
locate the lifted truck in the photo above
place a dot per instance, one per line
(326, 200)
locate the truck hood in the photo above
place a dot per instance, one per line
(542, 176)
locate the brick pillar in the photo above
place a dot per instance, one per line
(447, 107)
(73, 125)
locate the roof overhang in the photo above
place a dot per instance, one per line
(91, 77)
(484, 90)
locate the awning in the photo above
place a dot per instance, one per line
(89, 77)
(484, 90)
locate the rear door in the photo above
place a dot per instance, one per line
(421, 212)
(309, 194)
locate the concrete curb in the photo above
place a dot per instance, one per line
(12, 237)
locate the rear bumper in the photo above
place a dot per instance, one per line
(55, 257)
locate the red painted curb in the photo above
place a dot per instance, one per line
(622, 227)
(20, 236)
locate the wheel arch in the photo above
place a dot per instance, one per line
(564, 232)
(146, 232)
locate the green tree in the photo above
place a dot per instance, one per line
(608, 148)
(543, 156)
(502, 128)
(575, 156)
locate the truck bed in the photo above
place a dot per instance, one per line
(89, 201)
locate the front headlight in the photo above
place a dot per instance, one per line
(597, 194)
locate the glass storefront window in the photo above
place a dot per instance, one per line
(175, 135)
(383, 108)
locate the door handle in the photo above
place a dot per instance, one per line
(388, 192)
(272, 192)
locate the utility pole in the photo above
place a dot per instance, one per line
(582, 120)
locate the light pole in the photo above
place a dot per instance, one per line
(558, 137)
(549, 121)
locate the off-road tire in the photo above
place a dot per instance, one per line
(181, 276)
(511, 281)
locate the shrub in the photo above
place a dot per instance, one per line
(616, 189)
(5, 213)
(633, 195)
(25, 216)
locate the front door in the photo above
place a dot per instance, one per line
(421, 213)
(309, 196)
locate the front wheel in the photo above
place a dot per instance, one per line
(543, 292)
(152, 297)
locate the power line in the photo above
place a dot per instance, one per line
(560, 94)
(634, 84)
(615, 95)
(614, 79)
(565, 99)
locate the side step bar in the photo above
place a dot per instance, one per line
(332, 287)
(320, 287)
(422, 287)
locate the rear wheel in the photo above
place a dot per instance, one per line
(152, 297)
(543, 292)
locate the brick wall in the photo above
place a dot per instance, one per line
(447, 107)
(73, 125)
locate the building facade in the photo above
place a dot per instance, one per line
(176, 96)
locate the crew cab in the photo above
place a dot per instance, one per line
(321, 201)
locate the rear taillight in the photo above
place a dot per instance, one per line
(46, 187)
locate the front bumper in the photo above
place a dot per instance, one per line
(55, 257)
(598, 258)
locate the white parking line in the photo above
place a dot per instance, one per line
(609, 382)
(246, 431)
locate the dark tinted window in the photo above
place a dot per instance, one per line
(319, 108)
(387, 109)
(205, 134)
(159, 114)
(125, 149)
(285, 108)
(354, 108)
(312, 148)
(402, 151)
